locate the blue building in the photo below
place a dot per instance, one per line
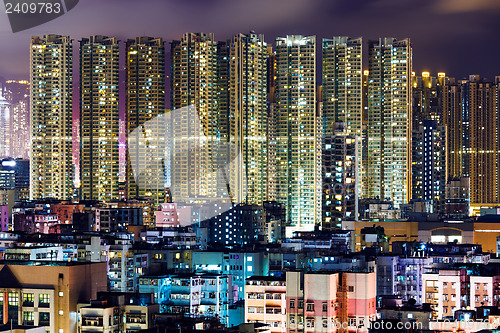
(205, 295)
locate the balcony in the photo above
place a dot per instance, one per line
(92, 321)
(136, 319)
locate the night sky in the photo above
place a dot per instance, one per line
(459, 37)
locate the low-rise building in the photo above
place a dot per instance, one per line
(265, 302)
(328, 301)
(47, 294)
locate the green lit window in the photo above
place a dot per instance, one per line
(28, 299)
(44, 300)
(28, 318)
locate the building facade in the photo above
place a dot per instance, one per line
(145, 91)
(248, 117)
(388, 174)
(194, 110)
(99, 118)
(298, 164)
(429, 164)
(340, 177)
(51, 71)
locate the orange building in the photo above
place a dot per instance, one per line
(48, 294)
(65, 211)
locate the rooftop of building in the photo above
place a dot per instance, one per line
(266, 278)
(45, 263)
(174, 274)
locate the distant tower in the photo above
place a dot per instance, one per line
(430, 138)
(51, 99)
(5, 125)
(477, 116)
(17, 94)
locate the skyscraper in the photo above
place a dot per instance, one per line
(248, 116)
(145, 101)
(99, 118)
(342, 98)
(429, 98)
(474, 153)
(340, 177)
(194, 114)
(430, 141)
(298, 161)
(389, 120)
(51, 99)
(342, 84)
(429, 164)
(271, 124)
(5, 125)
(17, 94)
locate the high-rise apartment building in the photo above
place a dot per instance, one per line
(474, 131)
(430, 98)
(342, 92)
(51, 99)
(99, 118)
(196, 133)
(340, 178)
(388, 174)
(342, 84)
(429, 149)
(453, 122)
(248, 117)
(145, 102)
(430, 138)
(271, 124)
(298, 161)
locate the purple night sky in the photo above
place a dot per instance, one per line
(459, 37)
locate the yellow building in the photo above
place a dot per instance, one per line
(396, 230)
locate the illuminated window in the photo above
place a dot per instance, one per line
(44, 300)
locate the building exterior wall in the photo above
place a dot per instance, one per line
(70, 284)
(51, 74)
(297, 160)
(389, 120)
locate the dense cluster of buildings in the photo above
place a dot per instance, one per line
(249, 196)
(261, 127)
(134, 278)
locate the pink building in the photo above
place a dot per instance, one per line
(265, 302)
(171, 215)
(35, 223)
(330, 302)
(4, 218)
